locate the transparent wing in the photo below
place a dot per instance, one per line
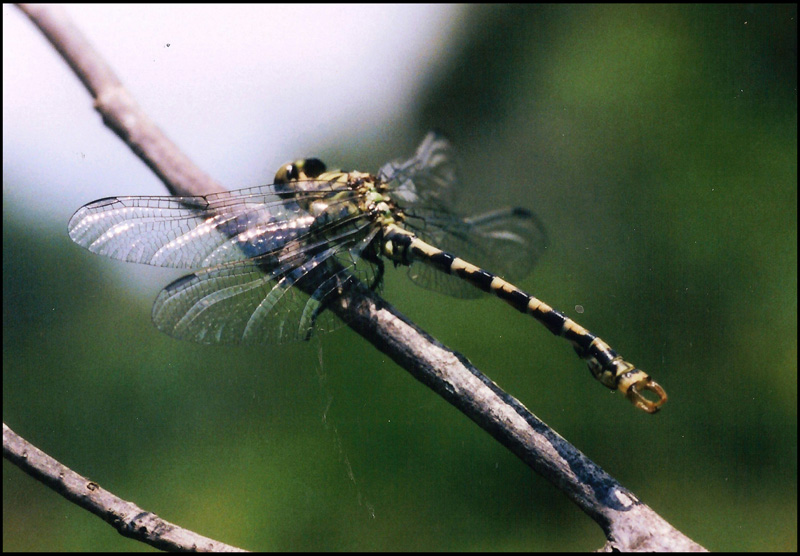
(507, 242)
(427, 177)
(196, 232)
(268, 269)
(244, 302)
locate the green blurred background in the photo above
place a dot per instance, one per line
(659, 146)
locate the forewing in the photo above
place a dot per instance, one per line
(193, 232)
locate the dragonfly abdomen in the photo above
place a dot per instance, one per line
(606, 365)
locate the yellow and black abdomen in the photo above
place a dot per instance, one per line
(607, 366)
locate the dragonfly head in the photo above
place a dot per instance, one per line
(303, 169)
(291, 174)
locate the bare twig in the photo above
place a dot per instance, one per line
(126, 517)
(628, 524)
(120, 111)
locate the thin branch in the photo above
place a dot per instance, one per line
(115, 104)
(629, 524)
(126, 517)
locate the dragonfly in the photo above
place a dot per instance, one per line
(269, 260)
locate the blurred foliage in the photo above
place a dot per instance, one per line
(659, 146)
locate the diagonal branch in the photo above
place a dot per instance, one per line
(627, 523)
(115, 104)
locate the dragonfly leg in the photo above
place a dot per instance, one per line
(330, 289)
(377, 280)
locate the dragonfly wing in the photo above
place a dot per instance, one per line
(192, 232)
(258, 302)
(428, 176)
(507, 242)
(510, 240)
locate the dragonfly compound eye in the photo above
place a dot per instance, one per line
(313, 167)
(308, 168)
(286, 173)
